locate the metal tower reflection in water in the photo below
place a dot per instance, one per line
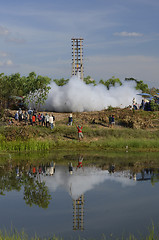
(78, 213)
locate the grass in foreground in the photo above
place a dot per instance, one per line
(14, 235)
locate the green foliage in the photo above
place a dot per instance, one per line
(140, 85)
(61, 82)
(33, 88)
(110, 108)
(154, 106)
(89, 80)
(36, 192)
(111, 82)
(8, 182)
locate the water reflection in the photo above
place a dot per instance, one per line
(29, 177)
(78, 213)
(77, 180)
(39, 182)
(146, 174)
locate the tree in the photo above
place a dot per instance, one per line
(61, 82)
(37, 89)
(111, 82)
(89, 80)
(154, 106)
(10, 87)
(9, 182)
(140, 85)
(35, 192)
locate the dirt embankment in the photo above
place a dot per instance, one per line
(138, 119)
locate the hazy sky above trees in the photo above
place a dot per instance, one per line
(121, 38)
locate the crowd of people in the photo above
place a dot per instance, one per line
(145, 104)
(34, 118)
(48, 120)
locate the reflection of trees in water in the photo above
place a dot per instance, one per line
(35, 190)
(9, 182)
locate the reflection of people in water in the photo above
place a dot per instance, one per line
(17, 171)
(70, 168)
(50, 169)
(80, 160)
(47, 169)
(34, 171)
(111, 168)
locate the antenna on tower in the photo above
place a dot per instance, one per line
(77, 57)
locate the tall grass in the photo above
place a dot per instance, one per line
(14, 235)
(122, 144)
(104, 143)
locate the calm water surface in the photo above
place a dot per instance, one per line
(89, 201)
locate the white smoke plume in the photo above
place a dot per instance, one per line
(77, 96)
(85, 180)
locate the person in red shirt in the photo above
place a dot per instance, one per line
(39, 118)
(80, 134)
(33, 120)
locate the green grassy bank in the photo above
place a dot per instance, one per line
(37, 138)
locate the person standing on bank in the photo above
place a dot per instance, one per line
(80, 134)
(113, 120)
(51, 121)
(70, 120)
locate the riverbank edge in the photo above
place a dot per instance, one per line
(63, 137)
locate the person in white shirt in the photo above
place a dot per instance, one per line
(51, 121)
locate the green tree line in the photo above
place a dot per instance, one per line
(35, 88)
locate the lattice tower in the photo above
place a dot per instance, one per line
(77, 56)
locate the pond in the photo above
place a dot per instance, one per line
(80, 197)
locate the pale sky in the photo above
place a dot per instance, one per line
(121, 38)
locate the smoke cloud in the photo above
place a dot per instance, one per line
(77, 96)
(85, 180)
